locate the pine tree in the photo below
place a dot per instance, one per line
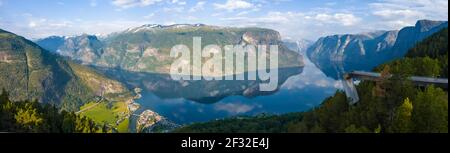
(402, 118)
(29, 118)
(430, 114)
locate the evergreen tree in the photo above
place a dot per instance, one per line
(430, 114)
(402, 119)
(29, 118)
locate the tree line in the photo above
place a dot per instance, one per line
(34, 117)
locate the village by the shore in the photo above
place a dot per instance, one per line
(148, 119)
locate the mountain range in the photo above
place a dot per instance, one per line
(147, 48)
(342, 53)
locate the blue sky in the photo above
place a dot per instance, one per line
(295, 19)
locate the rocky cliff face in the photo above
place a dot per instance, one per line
(365, 51)
(84, 48)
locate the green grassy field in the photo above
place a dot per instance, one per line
(123, 126)
(107, 113)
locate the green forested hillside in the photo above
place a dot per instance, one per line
(29, 72)
(31, 116)
(428, 58)
(392, 105)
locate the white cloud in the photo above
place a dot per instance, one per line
(400, 13)
(198, 6)
(93, 3)
(393, 14)
(32, 24)
(298, 25)
(151, 15)
(234, 108)
(272, 2)
(344, 19)
(232, 5)
(33, 27)
(179, 2)
(311, 77)
(133, 3)
(192, 18)
(124, 4)
(248, 11)
(62, 24)
(176, 9)
(398, 18)
(43, 23)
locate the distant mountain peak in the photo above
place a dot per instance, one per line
(425, 25)
(299, 46)
(159, 26)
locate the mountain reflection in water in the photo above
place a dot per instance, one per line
(197, 101)
(202, 91)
